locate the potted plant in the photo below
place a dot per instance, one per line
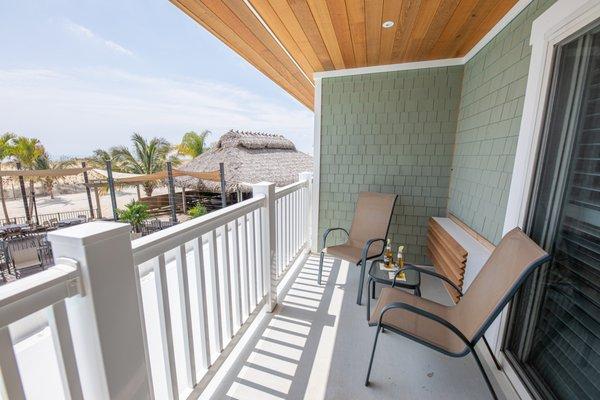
(135, 213)
(197, 211)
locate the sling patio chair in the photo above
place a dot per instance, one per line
(25, 259)
(455, 330)
(367, 236)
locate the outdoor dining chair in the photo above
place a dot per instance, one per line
(455, 330)
(25, 259)
(367, 236)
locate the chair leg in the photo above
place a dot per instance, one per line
(361, 282)
(320, 267)
(372, 355)
(485, 377)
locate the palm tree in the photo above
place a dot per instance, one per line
(6, 146)
(44, 162)
(100, 157)
(27, 151)
(146, 157)
(193, 144)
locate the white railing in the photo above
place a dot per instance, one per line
(207, 275)
(171, 304)
(292, 229)
(48, 291)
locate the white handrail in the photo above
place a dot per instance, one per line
(285, 190)
(151, 246)
(35, 292)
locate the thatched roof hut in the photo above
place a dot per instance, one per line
(249, 158)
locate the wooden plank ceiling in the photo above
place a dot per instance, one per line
(307, 36)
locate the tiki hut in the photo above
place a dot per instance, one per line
(248, 158)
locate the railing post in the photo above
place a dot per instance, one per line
(307, 176)
(268, 240)
(105, 322)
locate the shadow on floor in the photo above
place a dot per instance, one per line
(317, 343)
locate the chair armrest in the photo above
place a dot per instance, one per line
(328, 231)
(426, 314)
(365, 250)
(428, 272)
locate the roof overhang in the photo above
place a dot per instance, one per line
(291, 40)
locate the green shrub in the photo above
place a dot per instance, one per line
(135, 213)
(197, 211)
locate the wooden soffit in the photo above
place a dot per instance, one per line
(289, 40)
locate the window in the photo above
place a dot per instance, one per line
(553, 337)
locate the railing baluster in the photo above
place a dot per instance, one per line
(245, 270)
(287, 232)
(13, 385)
(295, 219)
(216, 295)
(138, 288)
(202, 306)
(166, 327)
(186, 318)
(237, 279)
(278, 256)
(226, 268)
(252, 263)
(63, 346)
(257, 239)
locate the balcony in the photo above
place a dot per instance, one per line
(225, 306)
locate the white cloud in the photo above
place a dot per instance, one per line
(73, 112)
(86, 33)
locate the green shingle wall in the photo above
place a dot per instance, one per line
(488, 125)
(392, 133)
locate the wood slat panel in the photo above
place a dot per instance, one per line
(341, 26)
(440, 20)
(320, 13)
(289, 37)
(373, 13)
(448, 256)
(408, 16)
(425, 18)
(391, 11)
(356, 19)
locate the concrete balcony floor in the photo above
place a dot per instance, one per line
(316, 345)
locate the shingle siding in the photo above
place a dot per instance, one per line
(491, 105)
(392, 133)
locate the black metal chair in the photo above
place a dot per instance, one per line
(455, 330)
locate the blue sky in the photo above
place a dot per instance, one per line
(81, 75)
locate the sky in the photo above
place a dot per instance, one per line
(85, 74)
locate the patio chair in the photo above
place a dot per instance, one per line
(455, 330)
(25, 259)
(367, 236)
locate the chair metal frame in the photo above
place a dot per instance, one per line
(364, 254)
(470, 344)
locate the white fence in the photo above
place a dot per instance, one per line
(192, 288)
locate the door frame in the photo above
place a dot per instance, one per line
(563, 19)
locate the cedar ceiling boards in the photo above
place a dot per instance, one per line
(306, 36)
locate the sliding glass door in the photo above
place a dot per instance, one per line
(553, 337)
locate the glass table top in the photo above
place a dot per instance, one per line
(377, 273)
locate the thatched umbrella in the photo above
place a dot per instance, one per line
(248, 158)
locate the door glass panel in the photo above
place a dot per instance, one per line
(553, 338)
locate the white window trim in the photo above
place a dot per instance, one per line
(560, 21)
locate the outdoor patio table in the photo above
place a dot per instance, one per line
(379, 275)
(9, 227)
(70, 221)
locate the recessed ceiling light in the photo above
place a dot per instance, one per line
(388, 24)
